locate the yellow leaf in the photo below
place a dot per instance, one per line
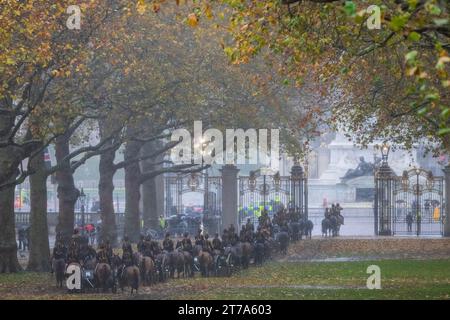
(156, 7)
(10, 61)
(192, 20)
(141, 6)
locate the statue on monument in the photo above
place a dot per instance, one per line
(363, 169)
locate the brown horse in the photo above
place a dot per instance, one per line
(176, 263)
(188, 264)
(130, 278)
(59, 266)
(148, 270)
(103, 277)
(206, 262)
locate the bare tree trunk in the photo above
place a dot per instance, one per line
(105, 192)
(9, 162)
(132, 192)
(39, 246)
(67, 192)
(8, 244)
(150, 207)
(150, 187)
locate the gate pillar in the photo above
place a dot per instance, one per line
(447, 201)
(229, 196)
(299, 190)
(384, 200)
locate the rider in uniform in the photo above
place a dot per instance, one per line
(155, 248)
(74, 248)
(126, 246)
(141, 244)
(216, 243)
(168, 243)
(59, 252)
(225, 238)
(102, 255)
(147, 247)
(108, 249)
(186, 243)
(242, 234)
(249, 225)
(199, 239)
(207, 246)
(234, 238)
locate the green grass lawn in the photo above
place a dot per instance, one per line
(400, 279)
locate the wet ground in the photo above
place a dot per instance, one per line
(320, 268)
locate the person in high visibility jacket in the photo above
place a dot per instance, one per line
(436, 214)
(162, 222)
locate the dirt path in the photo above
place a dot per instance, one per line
(354, 249)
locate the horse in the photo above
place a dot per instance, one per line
(176, 262)
(336, 225)
(104, 276)
(246, 254)
(59, 266)
(148, 269)
(231, 257)
(259, 253)
(205, 261)
(130, 278)
(326, 227)
(162, 262)
(294, 230)
(308, 226)
(188, 263)
(282, 239)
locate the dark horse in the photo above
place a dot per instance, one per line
(307, 227)
(294, 230)
(331, 226)
(104, 277)
(162, 262)
(259, 253)
(282, 239)
(327, 227)
(59, 266)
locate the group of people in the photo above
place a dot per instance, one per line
(24, 238)
(80, 250)
(335, 210)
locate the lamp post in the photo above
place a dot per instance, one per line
(385, 148)
(82, 199)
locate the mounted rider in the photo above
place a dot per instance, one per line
(207, 246)
(168, 243)
(155, 248)
(225, 238)
(60, 251)
(146, 246)
(186, 243)
(338, 213)
(102, 255)
(108, 249)
(242, 234)
(126, 246)
(141, 244)
(249, 225)
(74, 248)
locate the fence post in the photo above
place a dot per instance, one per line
(229, 196)
(447, 201)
